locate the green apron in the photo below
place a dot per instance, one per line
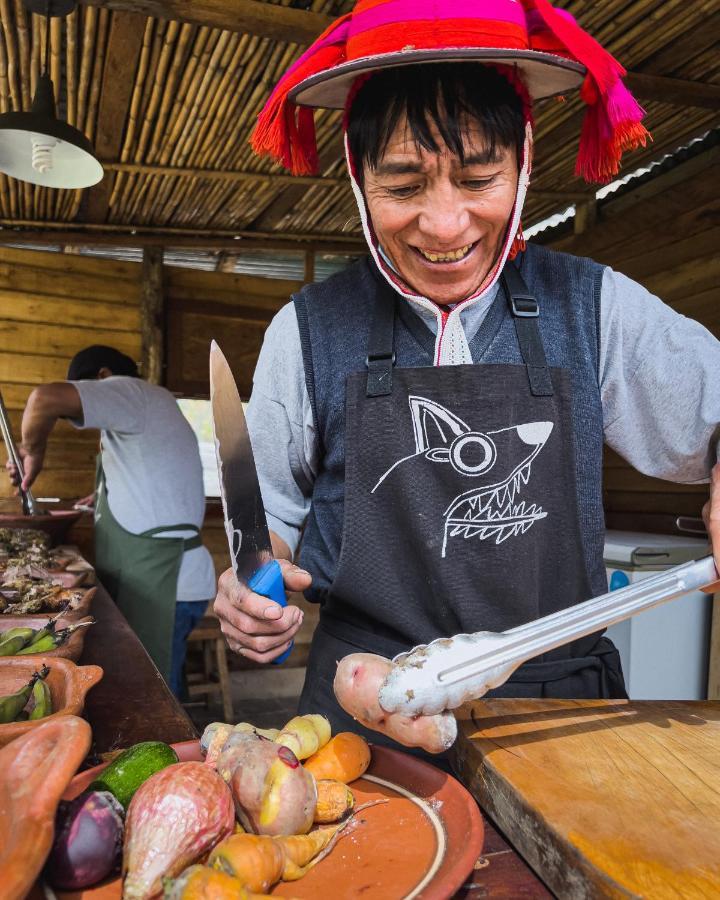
(141, 574)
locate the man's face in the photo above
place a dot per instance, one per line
(440, 222)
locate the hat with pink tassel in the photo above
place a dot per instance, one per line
(550, 53)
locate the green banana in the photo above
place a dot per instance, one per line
(11, 705)
(12, 647)
(23, 632)
(53, 640)
(48, 628)
(42, 646)
(43, 700)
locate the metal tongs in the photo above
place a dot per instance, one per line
(450, 671)
(30, 507)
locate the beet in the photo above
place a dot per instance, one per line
(88, 841)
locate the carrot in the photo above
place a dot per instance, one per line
(259, 861)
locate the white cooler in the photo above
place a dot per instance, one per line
(664, 650)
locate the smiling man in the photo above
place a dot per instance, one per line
(432, 419)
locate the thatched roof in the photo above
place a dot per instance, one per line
(169, 103)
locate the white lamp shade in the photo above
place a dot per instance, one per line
(71, 165)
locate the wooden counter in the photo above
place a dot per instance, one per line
(131, 703)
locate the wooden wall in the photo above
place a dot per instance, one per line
(665, 234)
(232, 309)
(51, 306)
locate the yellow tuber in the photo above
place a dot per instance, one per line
(305, 735)
(335, 801)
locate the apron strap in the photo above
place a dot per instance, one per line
(525, 311)
(381, 355)
(190, 543)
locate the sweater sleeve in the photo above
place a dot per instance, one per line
(660, 384)
(282, 429)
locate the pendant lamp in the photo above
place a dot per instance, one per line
(38, 147)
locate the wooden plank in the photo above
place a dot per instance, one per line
(207, 237)
(63, 340)
(20, 306)
(118, 79)
(256, 314)
(626, 501)
(678, 91)
(232, 175)
(69, 265)
(72, 285)
(279, 23)
(585, 789)
(152, 315)
(64, 483)
(234, 286)
(21, 368)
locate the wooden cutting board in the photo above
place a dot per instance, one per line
(602, 798)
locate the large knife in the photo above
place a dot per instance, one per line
(28, 501)
(245, 522)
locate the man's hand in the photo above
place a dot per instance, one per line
(32, 463)
(85, 502)
(254, 626)
(711, 517)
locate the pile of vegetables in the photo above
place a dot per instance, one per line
(32, 701)
(23, 640)
(264, 806)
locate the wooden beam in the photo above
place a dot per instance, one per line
(121, 58)
(152, 315)
(224, 174)
(677, 91)
(309, 274)
(146, 235)
(279, 23)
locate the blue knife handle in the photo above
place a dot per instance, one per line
(268, 582)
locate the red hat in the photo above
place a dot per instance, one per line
(546, 46)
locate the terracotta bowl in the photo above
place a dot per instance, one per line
(68, 685)
(72, 615)
(69, 650)
(56, 523)
(421, 841)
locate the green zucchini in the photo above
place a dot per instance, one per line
(135, 765)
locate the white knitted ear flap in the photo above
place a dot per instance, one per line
(451, 344)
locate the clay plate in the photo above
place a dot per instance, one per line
(68, 686)
(56, 523)
(71, 615)
(421, 843)
(71, 649)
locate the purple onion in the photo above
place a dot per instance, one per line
(88, 841)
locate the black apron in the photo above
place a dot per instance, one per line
(460, 514)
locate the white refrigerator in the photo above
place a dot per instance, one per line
(664, 650)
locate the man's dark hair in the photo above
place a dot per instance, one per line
(87, 363)
(447, 95)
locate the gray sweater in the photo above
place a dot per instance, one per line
(659, 377)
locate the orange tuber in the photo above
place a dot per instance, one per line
(344, 758)
(335, 801)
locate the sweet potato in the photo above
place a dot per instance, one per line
(273, 793)
(358, 680)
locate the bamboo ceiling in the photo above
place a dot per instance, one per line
(183, 95)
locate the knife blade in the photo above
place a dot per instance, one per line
(243, 508)
(28, 501)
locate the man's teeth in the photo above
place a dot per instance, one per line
(452, 256)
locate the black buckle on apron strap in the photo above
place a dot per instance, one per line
(381, 355)
(526, 312)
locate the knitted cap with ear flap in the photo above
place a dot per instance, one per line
(550, 51)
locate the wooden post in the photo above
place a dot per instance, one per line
(309, 275)
(585, 216)
(152, 315)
